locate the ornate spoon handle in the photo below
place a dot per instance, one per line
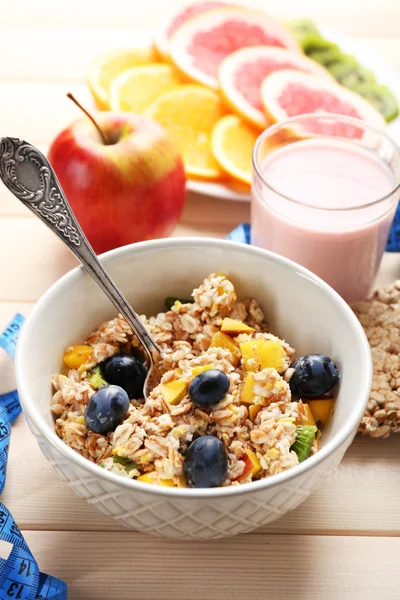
(29, 176)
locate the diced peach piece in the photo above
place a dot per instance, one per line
(272, 454)
(247, 391)
(310, 417)
(234, 327)
(252, 464)
(76, 356)
(198, 370)
(181, 481)
(167, 482)
(254, 409)
(148, 477)
(220, 340)
(321, 409)
(262, 354)
(178, 371)
(174, 391)
(152, 478)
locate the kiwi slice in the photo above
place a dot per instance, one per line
(305, 435)
(312, 42)
(349, 73)
(95, 378)
(125, 462)
(380, 97)
(170, 301)
(302, 27)
(328, 57)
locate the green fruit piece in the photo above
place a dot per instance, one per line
(312, 42)
(170, 301)
(381, 98)
(349, 73)
(125, 462)
(327, 57)
(95, 378)
(305, 435)
(302, 27)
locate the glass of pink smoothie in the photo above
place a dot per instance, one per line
(325, 190)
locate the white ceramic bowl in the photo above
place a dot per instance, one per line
(299, 307)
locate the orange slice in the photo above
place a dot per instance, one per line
(201, 44)
(241, 74)
(232, 145)
(189, 114)
(290, 93)
(107, 66)
(135, 89)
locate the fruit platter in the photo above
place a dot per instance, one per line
(215, 75)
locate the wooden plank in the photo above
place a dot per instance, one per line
(7, 311)
(38, 259)
(31, 243)
(37, 112)
(69, 62)
(389, 270)
(364, 18)
(127, 565)
(370, 471)
(61, 53)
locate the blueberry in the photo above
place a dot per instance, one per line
(206, 462)
(106, 409)
(127, 372)
(314, 375)
(209, 387)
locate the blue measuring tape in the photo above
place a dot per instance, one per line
(20, 578)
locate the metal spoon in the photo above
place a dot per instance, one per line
(30, 177)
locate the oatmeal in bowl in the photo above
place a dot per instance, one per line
(291, 309)
(234, 404)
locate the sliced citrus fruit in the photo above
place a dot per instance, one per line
(178, 18)
(189, 114)
(290, 93)
(135, 89)
(241, 74)
(232, 145)
(200, 45)
(107, 66)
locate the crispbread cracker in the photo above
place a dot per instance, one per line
(380, 318)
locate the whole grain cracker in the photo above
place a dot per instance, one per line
(380, 318)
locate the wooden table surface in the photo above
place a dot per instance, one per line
(343, 543)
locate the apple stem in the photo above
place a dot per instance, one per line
(87, 113)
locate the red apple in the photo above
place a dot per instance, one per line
(130, 189)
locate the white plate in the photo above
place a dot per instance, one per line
(385, 75)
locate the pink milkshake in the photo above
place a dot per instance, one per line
(327, 203)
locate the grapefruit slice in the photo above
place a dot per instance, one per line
(290, 93)
(200, 45)
(232, 144)
(241, 74)
(106, 67)
(189, 114)
(178, 18)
